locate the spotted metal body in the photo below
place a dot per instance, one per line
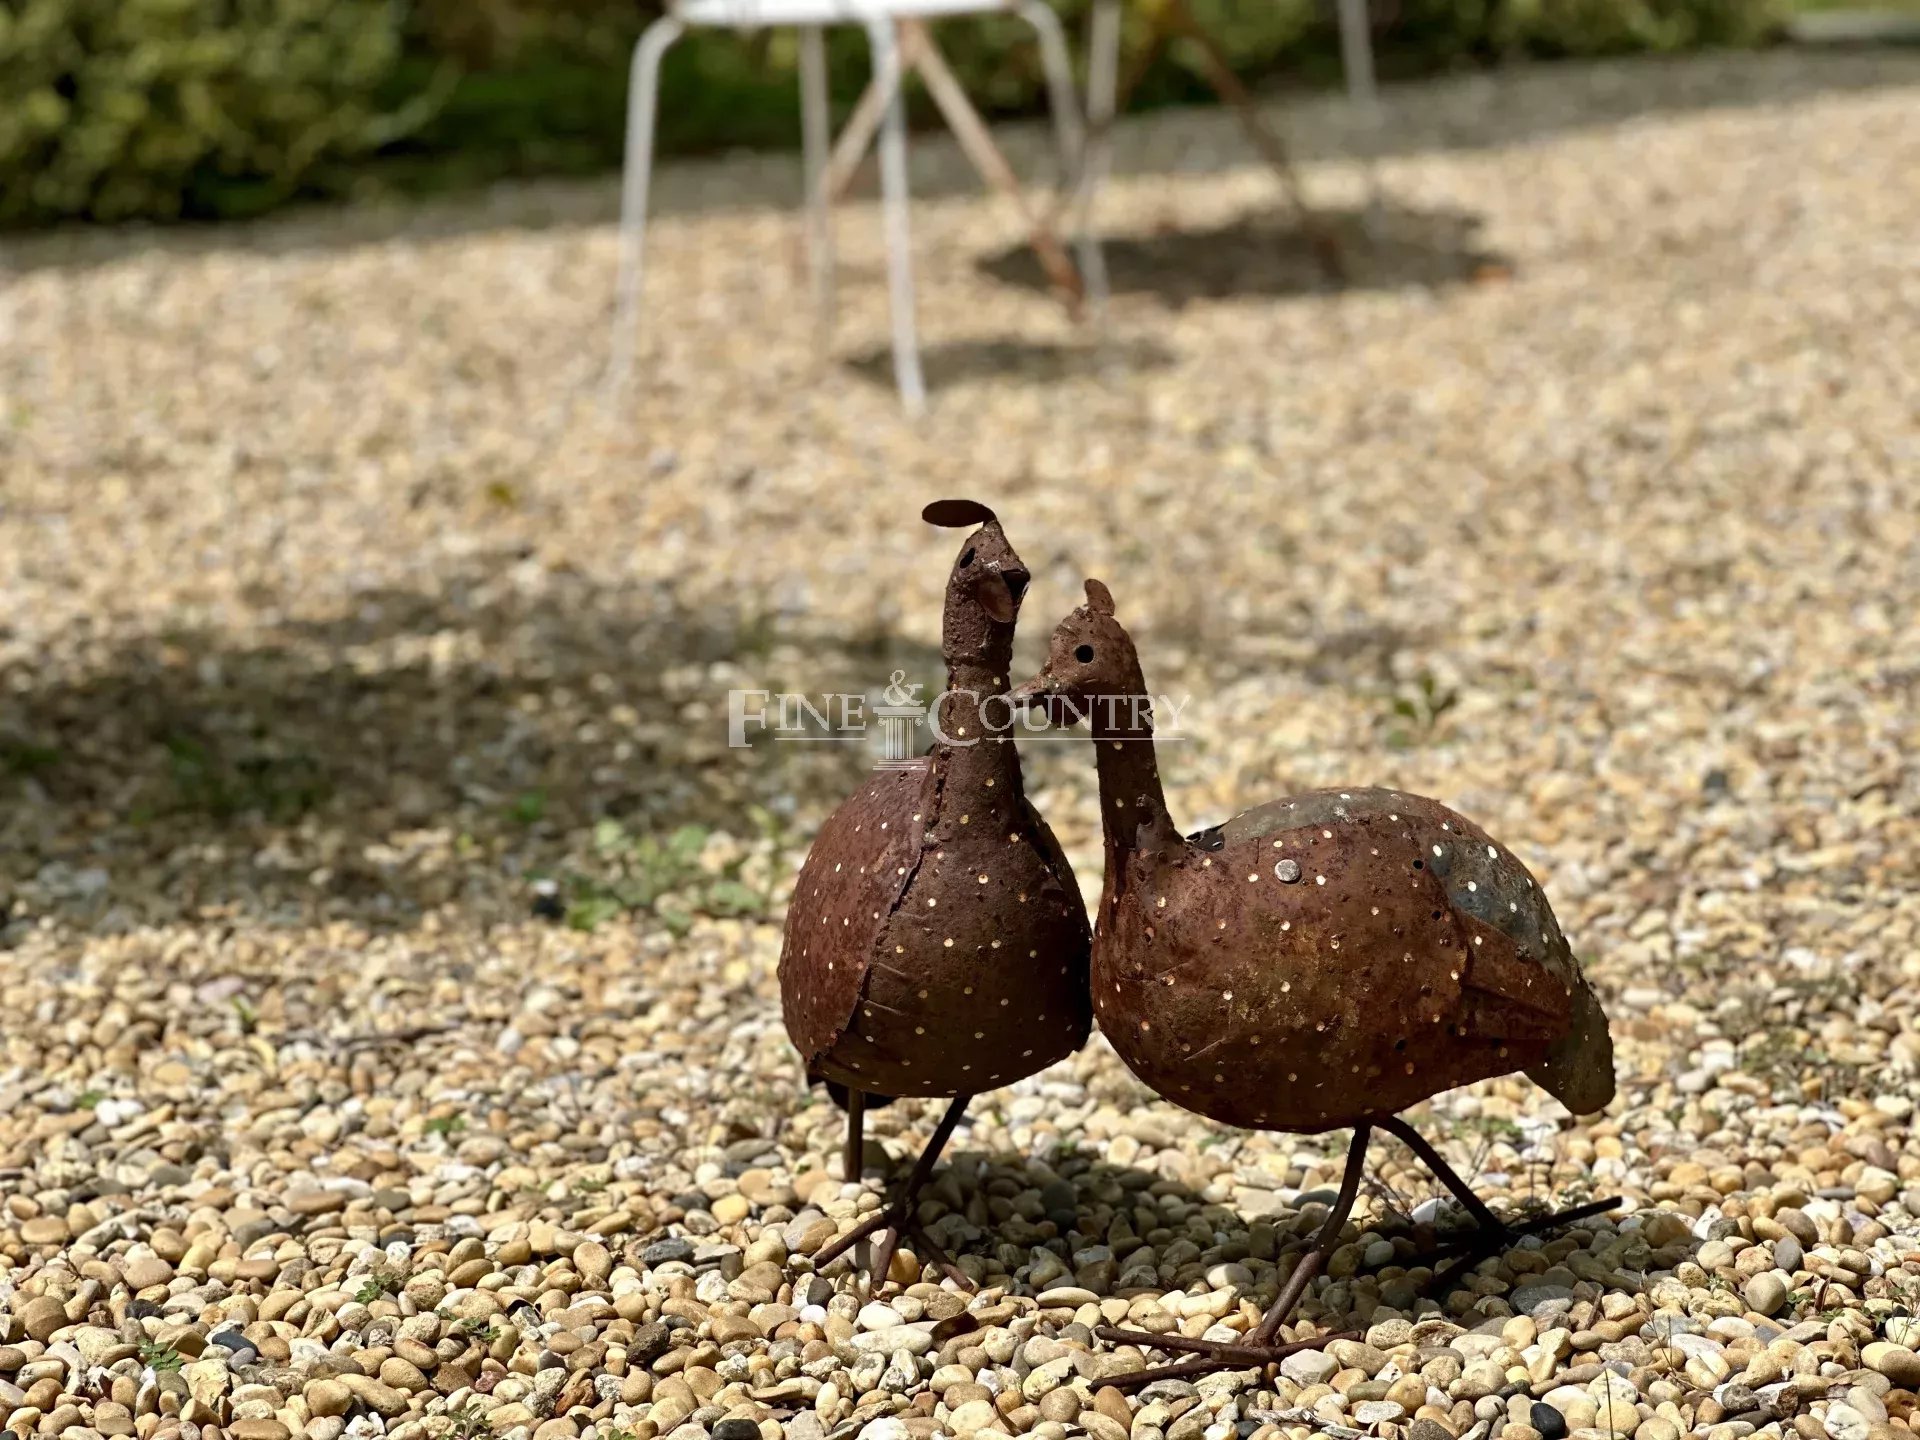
(1328, 959)
(936, 944)
(1321, 961)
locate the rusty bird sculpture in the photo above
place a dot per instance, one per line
(1317, 962)
(937, 944)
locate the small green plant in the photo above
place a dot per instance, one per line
(244, 1012)
(448, 1125)
(87, 1099)
(467, 1423)
(24, 758)
(1421, 709)
(211, 779)
(661, 877)
(379, 1282)
(157, 1357)
(528, 808)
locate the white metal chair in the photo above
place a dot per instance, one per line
(897, 32)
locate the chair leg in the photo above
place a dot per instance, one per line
(815, 138)
(1069, 135)
(1356, 58)
(642, 95)
(977, 141)
(893, 191)
(1096, 151)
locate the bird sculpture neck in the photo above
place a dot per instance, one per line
(1133, 808)
(978, 755)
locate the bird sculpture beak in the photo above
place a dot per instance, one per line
(1042, 693)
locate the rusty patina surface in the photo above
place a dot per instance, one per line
(1331, 957)
(1322, 960)
(936, 944)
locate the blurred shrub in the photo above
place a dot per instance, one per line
(117, 109)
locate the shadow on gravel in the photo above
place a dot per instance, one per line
(424, 749)
(1017, 362)
(1267, 255)
(1071, 1200)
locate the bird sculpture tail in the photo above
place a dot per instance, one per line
(1578, 1070)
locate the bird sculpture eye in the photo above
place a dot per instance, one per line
(1084, 654)
(967, 558)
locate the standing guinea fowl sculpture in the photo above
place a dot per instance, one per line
(937, 944)
(1317, 962)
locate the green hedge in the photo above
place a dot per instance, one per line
(207, 108)
(162, 108)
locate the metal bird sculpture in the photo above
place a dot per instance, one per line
(937, 944)
(1317, 962)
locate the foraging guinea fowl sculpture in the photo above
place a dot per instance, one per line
(1317, 962)
(937, 944)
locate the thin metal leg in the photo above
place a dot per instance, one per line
(1315, 1260)
(898, 1215)
(850, 1165)
(922, 1168)
(1445, 1173)
(1069, 136)
(815, 139)
(1490, 1232)
(642, 94)
(1259, 1348)
(893, 190)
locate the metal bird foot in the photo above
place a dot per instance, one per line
(1464, 1251)
(1209, 1355)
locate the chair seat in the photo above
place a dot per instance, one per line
(754, 14)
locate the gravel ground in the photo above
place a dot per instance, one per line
(391, 1043)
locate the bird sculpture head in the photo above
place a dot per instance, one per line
(984, 590)
(1090, 660)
